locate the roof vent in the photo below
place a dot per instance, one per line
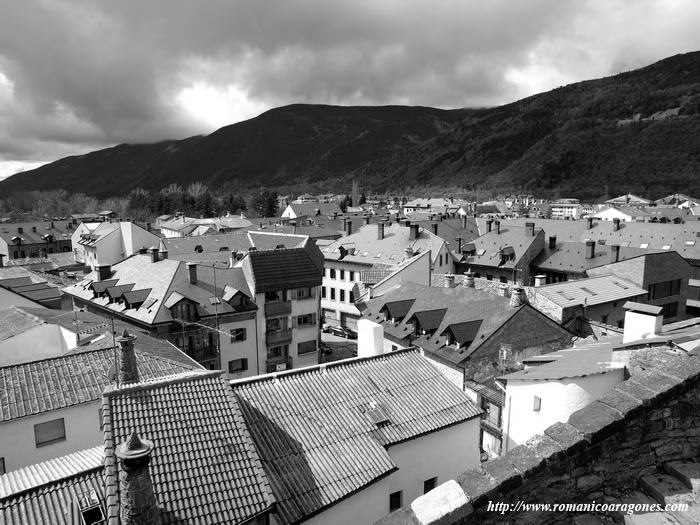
(377, 414)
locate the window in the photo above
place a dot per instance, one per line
(489, 277)
(238, 335)
(332, 294)
(669, 310)
(664, 289)
(503, 279)
(429, 484)
(394, 348)
(604, 319)
(352, 296)
(352, 276)
(306, 320)
(237, 365)
(342, 296)
(49, 432)
(323, 292)
(395, 500)
(278, 351)
(2, 466)
(342, 275)
(537, 404)
(306, 293)
(332, 273)
(306, 347)
(276, 297)
(440, 259)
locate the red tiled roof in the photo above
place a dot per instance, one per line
(315, 433)
(204, 466)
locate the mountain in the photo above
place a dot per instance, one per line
(635, 131)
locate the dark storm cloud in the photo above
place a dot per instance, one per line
(79, 74)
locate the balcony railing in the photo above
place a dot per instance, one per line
(285, 307)
(274, 337)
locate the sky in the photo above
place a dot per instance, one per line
(81, 75)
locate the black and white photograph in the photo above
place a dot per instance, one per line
(349, 262)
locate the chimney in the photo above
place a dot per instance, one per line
(154, 254)
(409, 252)
(2, 255)
(370, 338)
(489, 223)
(529, 229)
(498, 227)
(143, 250)
(348, 227)
(468, 280)
(589, 223)
(616, 224)
(503, 290)
(464, 222)
(517, 297)
(20, 230)
(552, 242)
(590, 249)
(414, 233)
(367, 219)
(192, 272)
(128, 371)
(458, 240)
(103, 271)
(449, 281)
(540, 280)
(380, 230)
(641, 321)
(614, 253)
(434, 227)
(51, 224)
(163, 254)
(138, 505)
(148, 226)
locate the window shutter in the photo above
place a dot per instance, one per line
(244, 363)
(313, 319)
(294, 321)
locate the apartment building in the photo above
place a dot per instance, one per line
(99, 243)
(23, 240)
(565, 209)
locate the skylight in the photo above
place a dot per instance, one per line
(690, 243)
(481, 252)
(563, 294)
(644, 245)
(588, 291)
(666, 247)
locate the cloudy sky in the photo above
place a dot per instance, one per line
(78, 75)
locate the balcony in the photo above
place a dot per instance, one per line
(278, 337)
(282, 308)
(278, 364)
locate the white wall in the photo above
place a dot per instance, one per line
(17, 443)
(40, 342)
(338, 306)
(9, 298)
(609, 214)
(560, 398)
(243, 349)
(445, 454)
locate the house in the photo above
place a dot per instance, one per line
(99, 243)
(181, 226)
(50, 407)
(369, 256)
(629, 199)
(387, 429)
(565, 209)
(311, 209)
(22, 287)
(255, 317)
(435, 205)
(622, 213)
(503, 253)
(35, 239)
(677, 200)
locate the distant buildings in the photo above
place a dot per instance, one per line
(104, 243)
(181, 226)
(311, 209)
(629, 200)
(35, 239)
(565, 209)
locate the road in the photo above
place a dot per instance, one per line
(341, 348)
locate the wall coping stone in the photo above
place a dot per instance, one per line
(478, 485)
(526, 460)
(596, 421)
(623, 402)
(545, 447)
(503, 472)
(568, 438)
(444, 504)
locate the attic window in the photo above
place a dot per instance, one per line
(644, 245)
(198, 248)
(691, 243)
(563, 294)
(378, 416)
(90, 508)
(620, 285)
(481, 252)
(378, 255)
(666, 247)
(149, 302)
(223, 249)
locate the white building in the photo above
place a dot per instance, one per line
(181, 226)
(96, 243)
(311, 209)
(622, 213)
(566, 209)
(552, 387)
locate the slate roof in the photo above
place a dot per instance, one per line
(204, 465)
(314, 429)
(28, 284)
(628, 198)
(398, 309)
(491, 245)
(310, 209)
(570, 257)
(73, 379)
(282, 269)
(61, 230)
(594, 290)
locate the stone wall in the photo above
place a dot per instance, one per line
(598, 455)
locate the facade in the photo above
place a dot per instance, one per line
(621, 213)
(311, 209)
(565, 209)
(35, 239)
(371, 255)
(99, 243)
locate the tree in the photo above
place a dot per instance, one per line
(264, 203)
(363, 199)
(347, 201)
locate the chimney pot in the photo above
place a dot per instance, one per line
(468, 279)
(366, 219)
(540, 280)
(616, 224)
(148, 226)
(154, 254)
(128, 370)
(458, 241)
(434, 227)
(449, 281)
(552, 242)
(589, 223)
(489, 224)
(2, 255)
(503, 290)
(498, 227)
(192, 272)
(614, 253)
(464, 222)
(517, 297)
(590, 249)
(529, 229)
(414, 233)
(380, 230)
(163, 254)
(103, 271)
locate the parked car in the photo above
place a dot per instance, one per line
(343, 331)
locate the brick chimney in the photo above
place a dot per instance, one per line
(552, 242)
(414, 232)
(154, 254)
(529, 229)
(128, 370)
(498, 227)
(449, 281)
(380, 230)
(614, 253)
(138, 505)
(616, 224)
(468, 279)
(517, 297)
(489, 224)
(434, 228)
(192, 272)
(590, 249)
(103, 271)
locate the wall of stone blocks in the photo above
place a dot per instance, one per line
(598, 455)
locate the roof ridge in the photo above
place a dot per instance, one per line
(53, 358)
(173, 379)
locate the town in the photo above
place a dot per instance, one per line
(351, 359)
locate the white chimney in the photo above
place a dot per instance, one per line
(540, 280)
(370, 338)
(641, 321)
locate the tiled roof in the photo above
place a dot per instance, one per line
(204, 465)
(73, 379)
(47, 472)
(67, 478)
(315, 430)
(312, 209)
(592, 291)
(282, 269)
(61, 231)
